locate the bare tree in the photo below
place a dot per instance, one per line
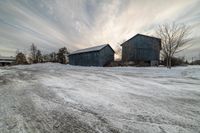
(17, 51)
(175, 38)
(118, 50)
(118, 53)
(33, 52)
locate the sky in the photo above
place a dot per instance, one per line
(77, 24)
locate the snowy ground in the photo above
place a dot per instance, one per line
(60, 98)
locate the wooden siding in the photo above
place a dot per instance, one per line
(106, 56)
(94, 58)
(141, 48)
(84, 59)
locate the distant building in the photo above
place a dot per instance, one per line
(93, 56)
(7, 61)
(142, 48)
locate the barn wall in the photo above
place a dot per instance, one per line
(106, 56)
(85, 59)
(141, 48)
(96, 58)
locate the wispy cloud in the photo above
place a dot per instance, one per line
(82, 23)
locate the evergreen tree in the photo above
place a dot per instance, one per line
(53, 57)
(46, 58)
(21, 58)
(39, 57)
(61, 56)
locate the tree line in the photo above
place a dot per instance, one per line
(174, 39)
(36, 56)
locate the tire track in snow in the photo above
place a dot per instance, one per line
(24, 115)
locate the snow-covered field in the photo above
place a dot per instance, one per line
(60, 98)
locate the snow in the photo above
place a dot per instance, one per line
(55, 97)
(95, 48)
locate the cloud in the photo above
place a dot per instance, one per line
(83, 23)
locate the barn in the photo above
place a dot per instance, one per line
(94, 56)
(142, 48)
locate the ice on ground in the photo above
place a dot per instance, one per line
(63, 98)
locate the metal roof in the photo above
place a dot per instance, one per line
(91, 49)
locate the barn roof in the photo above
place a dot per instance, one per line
(141, 35)
(91, 49)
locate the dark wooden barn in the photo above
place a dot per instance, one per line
(94, 56)
(142, 48)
